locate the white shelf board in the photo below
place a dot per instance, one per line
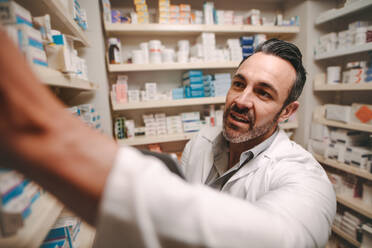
(341, 52)
(56, 78)
(353, 126)
(289, 125)
(333, 14)
(345, 236)
(168, 103)
(343, 87)
(171, 66)
(177, 29)
(45, 212)
(85, 237)
(343, 167)
(145, 140)
(318, 116)
(355, 204)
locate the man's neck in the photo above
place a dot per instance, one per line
(236, 149)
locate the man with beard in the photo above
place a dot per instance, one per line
(134, 200)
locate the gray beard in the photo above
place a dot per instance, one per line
(250, 135)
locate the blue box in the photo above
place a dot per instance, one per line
(192, 73)
(246, 40)
(247, 49)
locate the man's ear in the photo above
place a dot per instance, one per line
(288, 111)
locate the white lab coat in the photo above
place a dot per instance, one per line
(144, 205)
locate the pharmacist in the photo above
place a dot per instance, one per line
(134, 200)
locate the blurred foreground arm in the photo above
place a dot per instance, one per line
(41, 139)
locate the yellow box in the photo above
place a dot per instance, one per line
(139, 1)
(142, 20)
(142, 14)
(164, 9)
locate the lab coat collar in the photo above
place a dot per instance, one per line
(265, 157)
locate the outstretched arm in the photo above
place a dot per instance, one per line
(41, 139)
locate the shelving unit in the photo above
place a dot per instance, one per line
(355, 204)
(342, 52)
(167, 103)
(345, 236)
(319, 117)
(171, 66)
(59, 15)
(356, 11)
(55, 78)
(344, 167)
(334, 14)
(45, 212)
(195, 29)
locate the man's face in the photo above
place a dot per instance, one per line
(256, 97)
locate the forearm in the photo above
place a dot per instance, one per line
(46, 143)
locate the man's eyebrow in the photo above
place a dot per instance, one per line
(240, 76)
(269, 86)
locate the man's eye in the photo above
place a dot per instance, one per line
(238, 84)
(264, 94)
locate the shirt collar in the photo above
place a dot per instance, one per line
(258, 148)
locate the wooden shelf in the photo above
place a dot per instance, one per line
(145, 140)
(343, 167)
(356, 204)
(167, 103)
(55, 78)
(85, 237)
(318, 116)
(45, 212)
(343, 87)
(171, 66)
(346, 10)
(341, 52)
(60, 17)
(345, 236)
(195, 29)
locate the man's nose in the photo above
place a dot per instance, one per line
(245, 99)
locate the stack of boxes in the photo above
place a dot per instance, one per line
(18, 23)
(207, 43)
(349, 223)
(235, 50)
(246, 43)
(155, 125)
(208, 86)
(191, 122)
(253, 17)
(208, 9)
(193, 84)
(88, 114)
(16, 197)
(196, 17)
(142, 11)
(164, 12)
(221, 83)
(346, 146)
(77, 13)
(174, 124)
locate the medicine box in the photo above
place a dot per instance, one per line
(190, 116)
(13, 13)
(338, 112)
(361, 113)
(192, 73)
